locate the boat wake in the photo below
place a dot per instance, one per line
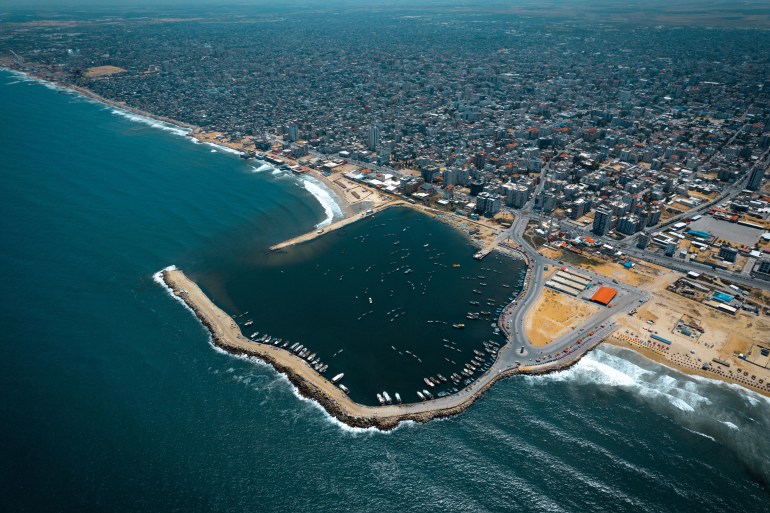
(325, 197)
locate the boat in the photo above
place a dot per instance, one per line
(398, 397)
(458, 326)
(254, 335)
(427, 394)
(442, 378)
(419, 394)
(343, 388)
(473, 302)
(370, 301)
(380, 399)
(248, 323)
(428, 382)
(338, 377)
(455, 265)
(387, 397)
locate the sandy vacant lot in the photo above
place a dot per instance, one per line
(98, 71)
(555, 314)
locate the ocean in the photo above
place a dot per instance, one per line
(114, 398)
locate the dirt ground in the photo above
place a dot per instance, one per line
(724, 336)
(555, 314)
(98, 71)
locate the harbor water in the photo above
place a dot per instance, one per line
(114, 399)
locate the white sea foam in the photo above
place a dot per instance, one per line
(162, 125)
(605, 369)
(158, 278)
(262, 168)
(221, 147)
(701, 434)
(325, 197)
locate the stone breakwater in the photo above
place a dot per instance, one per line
(226, 335)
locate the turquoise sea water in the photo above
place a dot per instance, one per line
(114, 399)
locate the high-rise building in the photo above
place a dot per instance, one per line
(628, 225)
(755, 178)
(602, 217)
(293, 132)
(488, 203)
(516, 195)
(374, 137)
(480, 160)
(643, 241)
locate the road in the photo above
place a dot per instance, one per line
(519, 351)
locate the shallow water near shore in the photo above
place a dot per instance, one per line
(114, 399)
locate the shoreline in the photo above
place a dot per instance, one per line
(198, 135)
(691, 370)
(226, 335)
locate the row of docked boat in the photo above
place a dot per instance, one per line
(433, 381)
(384, 398)
(298, 349)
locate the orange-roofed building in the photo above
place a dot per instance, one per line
(604, 295)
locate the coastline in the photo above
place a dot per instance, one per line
(226, 335)
(350, 215)
(688, 370)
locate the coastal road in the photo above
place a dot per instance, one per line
(519, 351)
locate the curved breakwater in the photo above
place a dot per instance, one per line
(226, 335)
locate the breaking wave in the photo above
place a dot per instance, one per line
(325, 197)
(725, 413)
(168, 127)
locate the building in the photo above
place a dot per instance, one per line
(643, 241)
(628, 225)
(516, 195)
(488, 204)
(374, 138)
(755, 178)
(727, 253)
(293, 132)
(763, 266)
(602, 217)
(604, 295)
(579, 208)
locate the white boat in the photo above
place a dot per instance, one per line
(370, 301)
(387, 397)
(343, 388)
(419, 394)
(427, 394)
(380, 399)
(428, 382)
(338, 377)
(398, 397)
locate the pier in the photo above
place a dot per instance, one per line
(334, 226)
